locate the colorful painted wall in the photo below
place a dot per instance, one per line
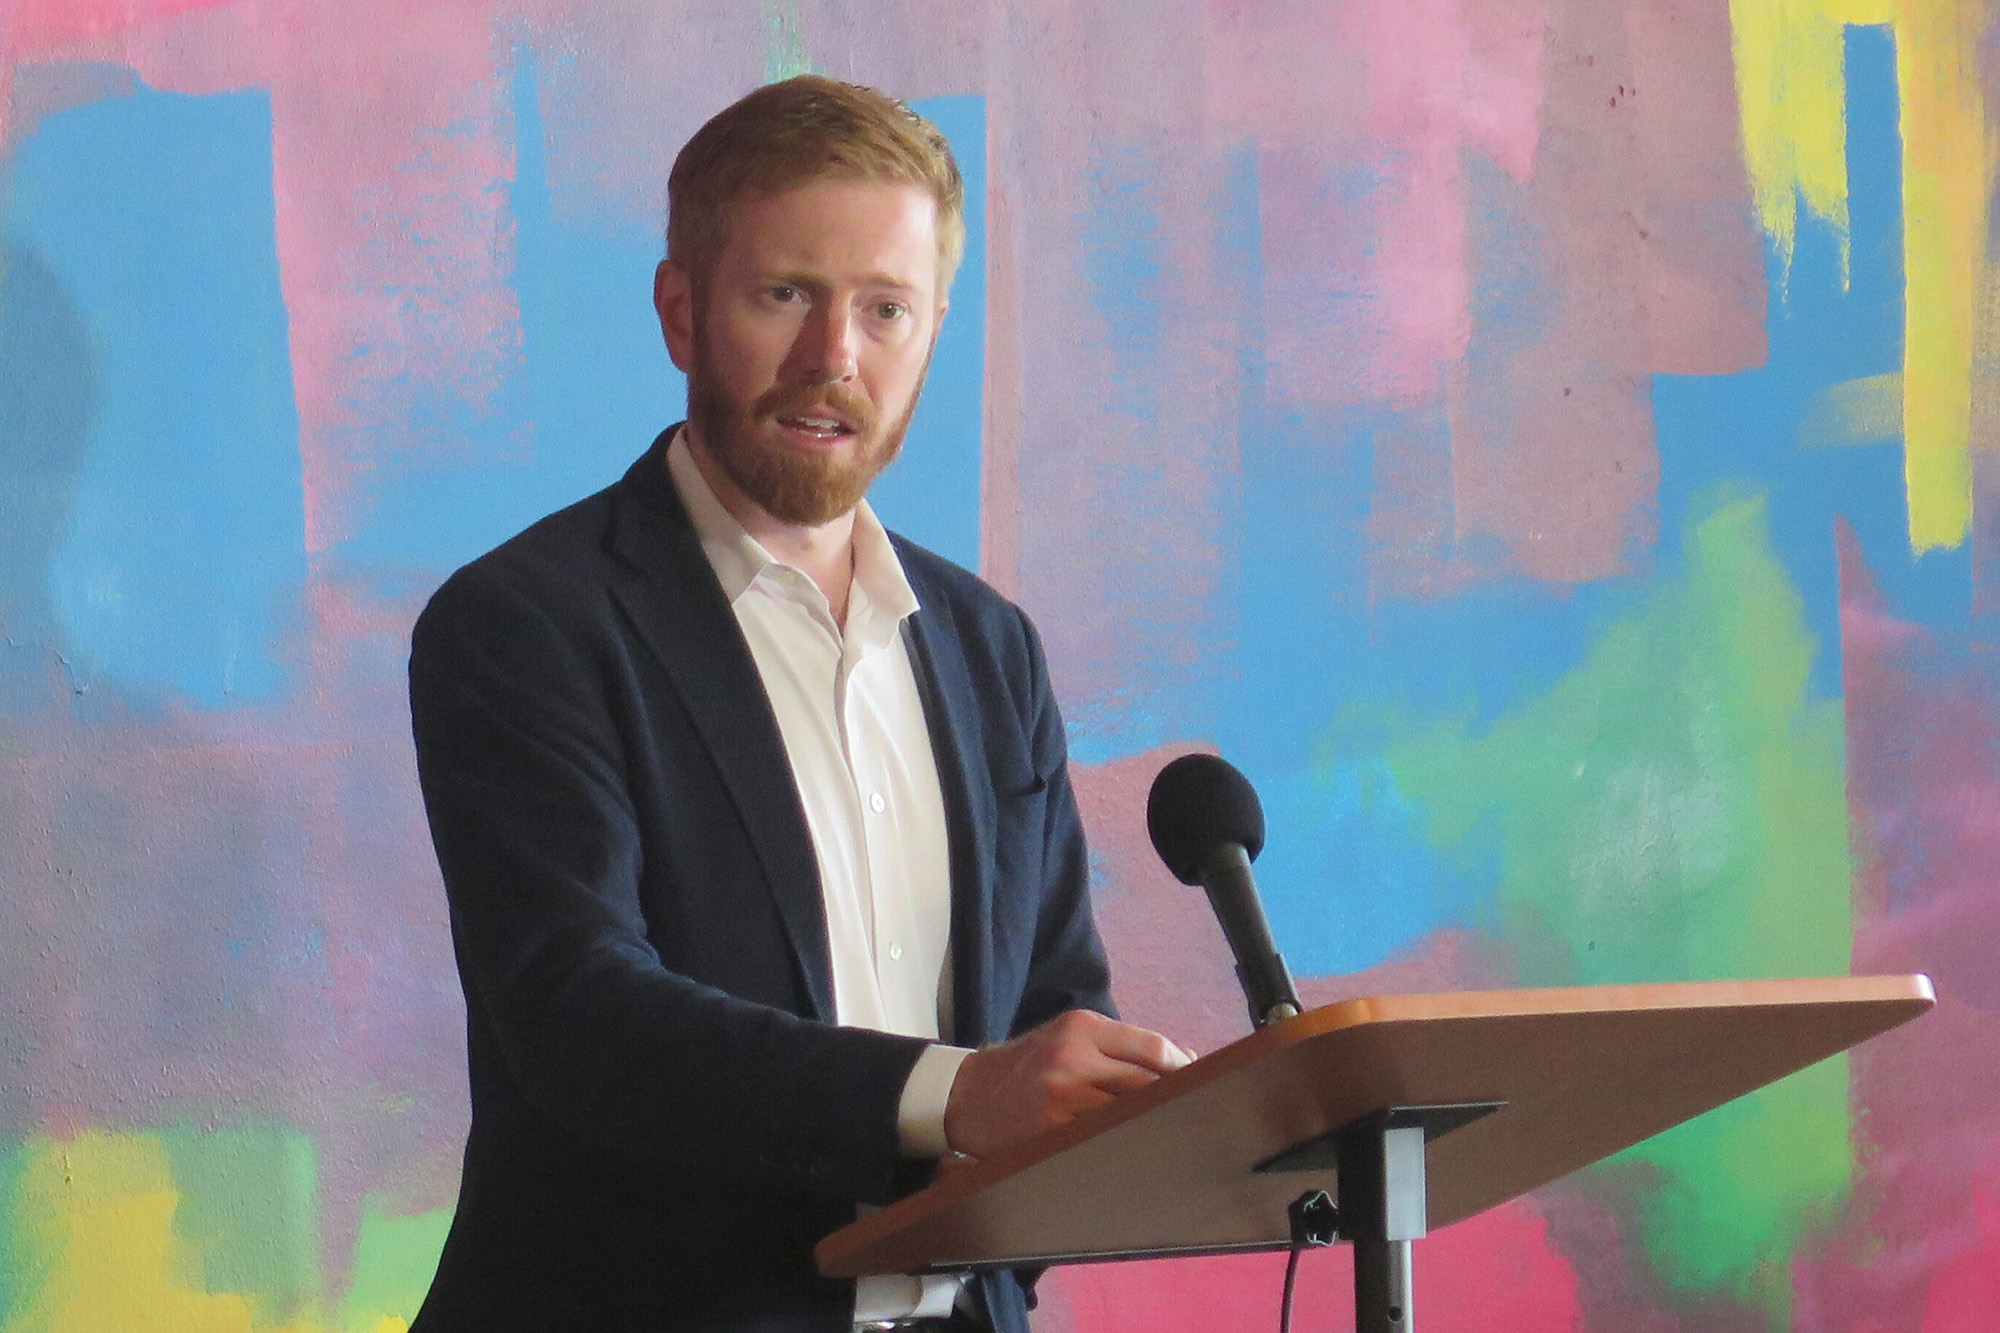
(1548, 444)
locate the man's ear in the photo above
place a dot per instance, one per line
(673, 299)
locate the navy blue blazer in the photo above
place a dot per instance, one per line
(664, 1117)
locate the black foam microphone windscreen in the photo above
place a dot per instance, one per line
(1198, 803)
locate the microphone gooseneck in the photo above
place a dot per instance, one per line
(1207, 825)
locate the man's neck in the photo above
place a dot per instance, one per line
(824, 552)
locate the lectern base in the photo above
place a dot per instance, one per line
(1384, 1290)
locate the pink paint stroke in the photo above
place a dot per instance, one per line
(1498, 1270)
(1553, 464)
(1923, 764)
(1704, 254)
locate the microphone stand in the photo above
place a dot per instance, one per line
(1378, 1160)
(1260, 968)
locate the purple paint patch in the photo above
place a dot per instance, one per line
(1923, 735)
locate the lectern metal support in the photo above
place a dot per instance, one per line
(1383, 1204)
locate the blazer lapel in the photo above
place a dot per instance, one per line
(671, 594)
(951, 708)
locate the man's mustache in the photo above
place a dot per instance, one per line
(833, 400)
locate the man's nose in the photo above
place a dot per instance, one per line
(826, 352)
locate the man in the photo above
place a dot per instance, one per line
(745, 808)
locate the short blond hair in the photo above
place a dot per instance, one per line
(806, 129)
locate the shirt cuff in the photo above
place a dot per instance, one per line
(920, 1113)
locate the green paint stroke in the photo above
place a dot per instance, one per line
(248, 1215)
(1674, 810)
(784, 41)
(17, 1273)
(394, 1261)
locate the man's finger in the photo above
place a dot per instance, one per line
(1139, 1046)
(952, 1163)
(1116, 1076)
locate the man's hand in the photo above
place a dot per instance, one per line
(1047, 1077)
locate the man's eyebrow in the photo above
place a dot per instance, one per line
(780, 278)
(816, 282)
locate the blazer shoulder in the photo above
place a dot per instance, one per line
(554, 563)
(975, 608)
(564, 563)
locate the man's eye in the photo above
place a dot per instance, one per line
(782, 293)
(891, 310)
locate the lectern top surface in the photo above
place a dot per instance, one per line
(1583, 1071)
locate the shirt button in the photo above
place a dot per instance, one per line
(877, 803)
(895, 953)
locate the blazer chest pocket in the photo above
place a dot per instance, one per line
(1020, 806)
(1020, 788)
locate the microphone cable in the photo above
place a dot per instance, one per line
(1291, 1280)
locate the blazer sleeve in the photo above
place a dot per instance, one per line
(1067, 968)
(521, 764)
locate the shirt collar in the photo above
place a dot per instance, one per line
(882, 594)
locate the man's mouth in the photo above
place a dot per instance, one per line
(817, 427)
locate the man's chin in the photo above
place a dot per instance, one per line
(804, 486)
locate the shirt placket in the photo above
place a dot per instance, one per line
(901, 960)
(854, 897)
(853, 743)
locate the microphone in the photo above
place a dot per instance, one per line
(1206, 824)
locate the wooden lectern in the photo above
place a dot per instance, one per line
(1410, 1110)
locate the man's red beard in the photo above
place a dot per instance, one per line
(792, 486)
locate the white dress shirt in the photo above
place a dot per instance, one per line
(853, 726)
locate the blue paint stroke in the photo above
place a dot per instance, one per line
(596, 384)
(932, 493)
(593, 388)
(1124, 265)
(48, 386)
(1321, 681)
(1177, 661)
(150, 450)
(1742, 430)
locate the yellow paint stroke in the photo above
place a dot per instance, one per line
(1864, 411)
(91, 1234)
(95, 1214)
(1791, 87)
(1948, 156)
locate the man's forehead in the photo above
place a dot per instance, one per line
(874, 231)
